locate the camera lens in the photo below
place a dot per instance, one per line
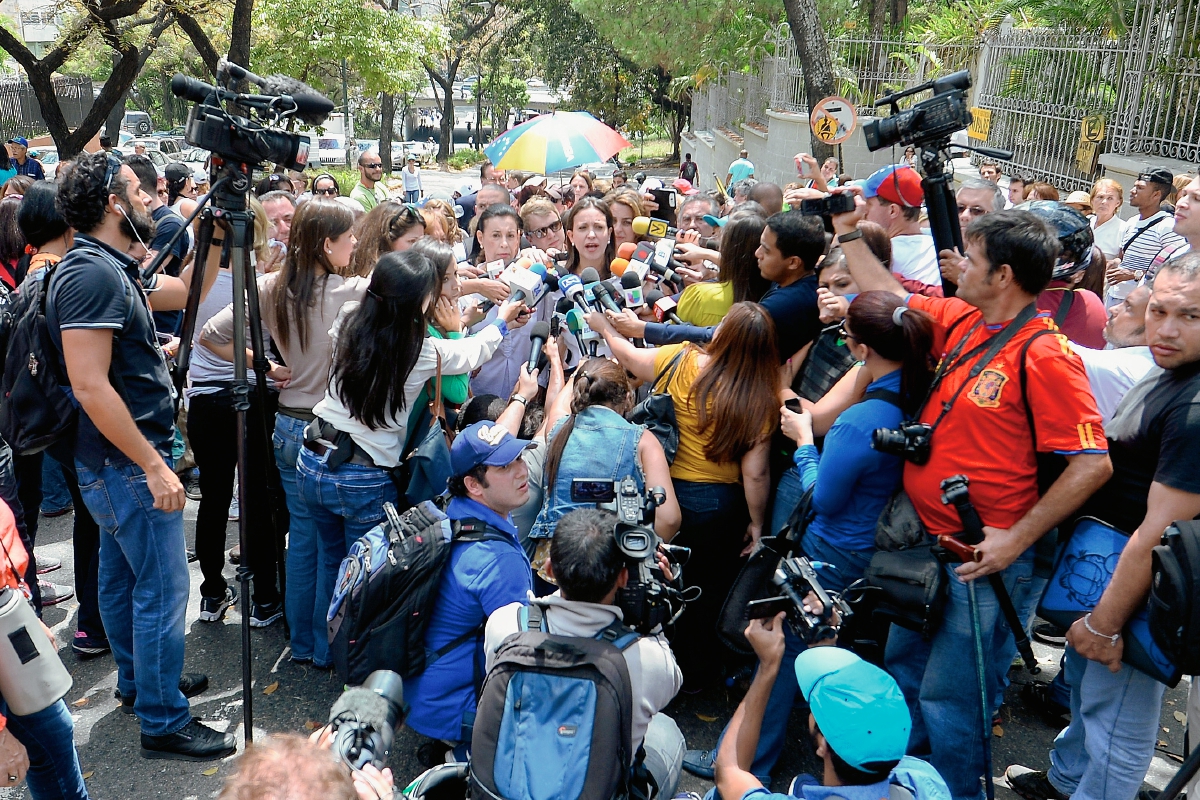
(886, 440)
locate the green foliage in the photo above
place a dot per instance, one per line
(465, 158)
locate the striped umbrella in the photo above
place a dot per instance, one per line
(555, 141)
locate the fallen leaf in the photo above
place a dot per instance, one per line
(706, 718)
(88, 774)
(311, 726)
(1166, 730)
(83, 701)
(210, 771)
(1180, 716)
(272, 688)
(1161, 743)
(997, 731)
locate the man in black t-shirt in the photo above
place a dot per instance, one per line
(166, 224)
(1152, 442)
(99, 316)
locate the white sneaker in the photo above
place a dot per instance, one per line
(235, 511)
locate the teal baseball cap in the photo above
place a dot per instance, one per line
(858, 707)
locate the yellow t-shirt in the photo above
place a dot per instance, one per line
(705, 304)
(690, 462)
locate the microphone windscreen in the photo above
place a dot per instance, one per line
(589, 275)
(312, 107)
(363, 705)
(641, 225)
(630, 280)
(626, 250)
(618, 266)
(540, 330)
(653, 296)
(563, 305)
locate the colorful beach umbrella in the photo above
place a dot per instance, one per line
(555, 141)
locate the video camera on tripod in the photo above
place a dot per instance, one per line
(796, 578)
(648, 600)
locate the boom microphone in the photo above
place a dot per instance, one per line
(537, 337)
(312, 107)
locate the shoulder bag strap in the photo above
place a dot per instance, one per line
(1064, 308)
(670, 367)
(883, 394)
(1125, 246)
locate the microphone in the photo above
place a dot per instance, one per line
(548, 278)
(537, 337)
(604, 297)
(494, 268)
(640, 258)
(626, 250)
(631, 290)
(664, 309)
(590, 277)
(312, 107)
(618, 266)
(578, 326)
(370, 711)
(187, 88)
(654, 228)
(572, 289)
(563, 305)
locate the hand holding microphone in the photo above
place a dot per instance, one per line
(538, 336)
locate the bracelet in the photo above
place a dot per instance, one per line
(850, 237)
(520, 399)
(215, 240)
(1112, 640)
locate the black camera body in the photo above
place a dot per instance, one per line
(828, 205)
(910, 441)
(239, 139)
(648, 601)
(796, 578)
(926, 122)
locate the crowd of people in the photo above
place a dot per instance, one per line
(1055, 363)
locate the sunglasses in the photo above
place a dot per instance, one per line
(373, 166)
(331, 191)
(844, 334)
(114, 166)
(542, 233)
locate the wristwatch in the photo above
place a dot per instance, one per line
(520, 399)
(850, 237)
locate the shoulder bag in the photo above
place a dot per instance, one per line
(657, 412)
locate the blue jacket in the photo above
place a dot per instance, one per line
(480, 578)
(917, 776)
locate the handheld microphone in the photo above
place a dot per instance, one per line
(548, 278)
(631, 290)
(604, 297)
(572, 289)
(537, 338)
(584, 335)
(664, 309)
(618, 266)
(627, 250)
(563, 305)
(590, 277)
(494, 268)
(524, 285)
(654, 228)
(640, 259)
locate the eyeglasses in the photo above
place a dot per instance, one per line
(843, 333)
(542, 233)
(372, 166)
(331, 191)
(114, 166)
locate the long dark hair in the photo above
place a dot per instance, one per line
(739, 266)
(494, 211)
(871, 320)
(379, 342)
(599, 382)
(38, 217)
(583, 204)
(378, 230)
(736, 394)
(302, 277)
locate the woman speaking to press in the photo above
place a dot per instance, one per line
(382, 360)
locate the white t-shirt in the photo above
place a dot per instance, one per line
(1108, 235)
(1112, 373)
(914, 258)
(412, 180)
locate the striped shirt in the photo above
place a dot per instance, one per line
(1138, 250)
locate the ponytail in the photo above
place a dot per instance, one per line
(599, 382)
(883, 322)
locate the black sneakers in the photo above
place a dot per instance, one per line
(212, 609)
(263, 614)
(193, 742)
(1031, 784)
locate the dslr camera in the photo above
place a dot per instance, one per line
(910, 441)
(796, 578)
(926, 122)
(648, 601)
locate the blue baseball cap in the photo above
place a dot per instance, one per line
(485, 443)
(858, 707)
(716, 222)
(21, 140)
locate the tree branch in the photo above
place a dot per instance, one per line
(200, 40)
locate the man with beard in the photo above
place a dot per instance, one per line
(99, 314)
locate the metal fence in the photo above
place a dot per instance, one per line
(1038, 84)
(20, 114)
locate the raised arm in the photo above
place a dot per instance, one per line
(868, 273)
(638, 360)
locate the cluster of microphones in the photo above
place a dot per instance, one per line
(529, 282)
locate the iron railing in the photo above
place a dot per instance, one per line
(20, 114)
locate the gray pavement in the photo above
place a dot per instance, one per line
(290, 698)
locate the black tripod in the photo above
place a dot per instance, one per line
(227, 202)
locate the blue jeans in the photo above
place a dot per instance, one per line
(144, 586)
(55, 495)
(413, 196)
(344, 504)
(787, 497)
(846, 566)
(308, 642)
(1105, 751)
(49, 739)
(940, 680)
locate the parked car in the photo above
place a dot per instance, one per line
(196, 158)
(168, 147)
(48, 156)
(137, 122)
(331, 150)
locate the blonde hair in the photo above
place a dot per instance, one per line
(1108, 183)
(537, 205)
(262, 227)
(454, 234)
(628, 198)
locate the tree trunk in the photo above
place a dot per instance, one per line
(387, 119)
(446, 83)
(812, 47)
(239, 37)
(200, 40)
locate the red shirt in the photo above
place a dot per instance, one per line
(1085, 321)
(986, 436)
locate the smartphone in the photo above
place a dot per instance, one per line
(793, 404)
(667, 200)
(768, 608)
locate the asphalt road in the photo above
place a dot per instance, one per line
(289, 698)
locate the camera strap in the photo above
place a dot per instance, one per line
(990, 348)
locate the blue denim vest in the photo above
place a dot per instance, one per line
(602, 445)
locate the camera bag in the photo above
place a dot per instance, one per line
(1174, 609)
(388, 587)
(657, 412)
(555, 716)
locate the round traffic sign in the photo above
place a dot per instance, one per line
(833, 120)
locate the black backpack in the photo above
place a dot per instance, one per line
(1174, 610)
(387, 589)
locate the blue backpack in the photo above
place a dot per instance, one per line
(554, 720)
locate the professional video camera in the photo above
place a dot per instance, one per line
(648, 601)
(365, 718)
(796, 578)
(240, 139)
(910, 441)
(928, 121)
